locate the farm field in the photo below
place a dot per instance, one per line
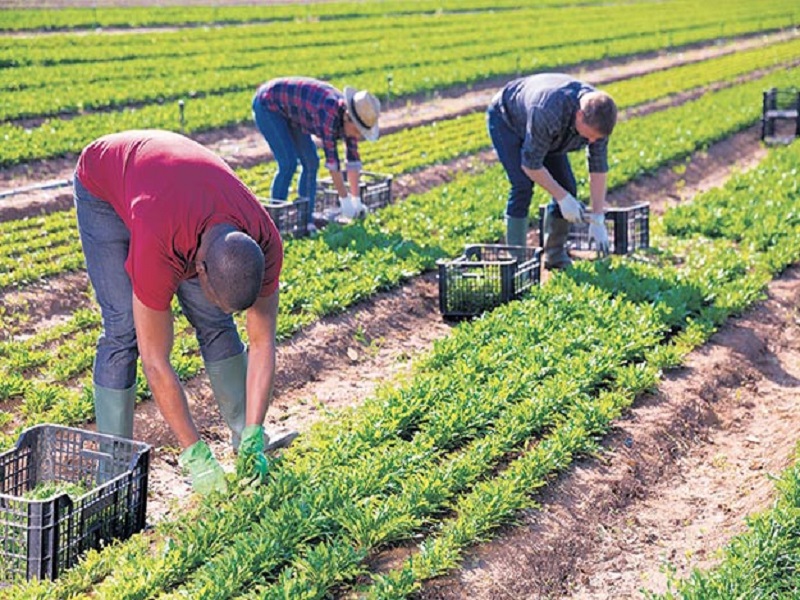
(510, 460)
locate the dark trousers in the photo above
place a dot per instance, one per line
(106, 240)
(508, 146)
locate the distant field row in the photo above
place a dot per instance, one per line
(104, 87)
(153, 16)
(54, 248)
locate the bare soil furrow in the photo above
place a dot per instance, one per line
(676, 478)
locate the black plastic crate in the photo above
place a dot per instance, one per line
(780, 118)
(628, 229)
(291, 218)
(375, 190)
(40, 538)
(486, 276)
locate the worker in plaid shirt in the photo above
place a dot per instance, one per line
(289, 110)
(534, 122)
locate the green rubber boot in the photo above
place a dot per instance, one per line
(517, 231)
(113, 410)
(228, 379)
(517, 234)
(556, 232)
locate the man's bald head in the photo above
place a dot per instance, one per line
(232, 266)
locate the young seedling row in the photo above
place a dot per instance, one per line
(452, 452)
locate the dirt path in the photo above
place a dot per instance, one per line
(677, 477)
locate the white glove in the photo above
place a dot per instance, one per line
(598, 233)
(352, 207)
(571, 209)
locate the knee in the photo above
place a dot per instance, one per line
(287, 164)
(115, 362)
(310, 163)
(219, 343)
(519, 202)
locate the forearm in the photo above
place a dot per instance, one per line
(338, 183)
(171, 401)
(260, 377)
(544, 179)
(353, 178)
(597, 191)
(262, 322)
(155, 335)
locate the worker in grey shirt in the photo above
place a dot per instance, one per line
(533, 122)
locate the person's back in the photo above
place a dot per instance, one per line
(554, 94)
(161, 216)
(168, 190)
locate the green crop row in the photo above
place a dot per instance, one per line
(35, 248)
(90, 18)
(453, 452)
(151, 50)
(221, 101)
(48, 64)
(409, 150)
(328, 273)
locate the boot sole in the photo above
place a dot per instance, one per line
(279, 440)
(556, 266)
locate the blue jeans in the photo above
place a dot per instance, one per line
(508, 146)
(105, 240)
(289, 145)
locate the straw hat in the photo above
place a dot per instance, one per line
(364, 109)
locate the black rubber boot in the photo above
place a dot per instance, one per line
(556, 232)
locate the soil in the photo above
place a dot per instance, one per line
(676, 476)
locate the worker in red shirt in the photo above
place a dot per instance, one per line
(160, 216)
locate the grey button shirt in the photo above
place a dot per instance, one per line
(541, 110)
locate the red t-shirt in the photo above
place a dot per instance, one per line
(168, 190)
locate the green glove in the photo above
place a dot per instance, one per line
(252, 463)
(207, 476)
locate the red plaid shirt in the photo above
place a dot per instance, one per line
(317, 108)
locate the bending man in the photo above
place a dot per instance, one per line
(161, 216)
(534, 122)
(289, 110)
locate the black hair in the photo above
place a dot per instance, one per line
(235, 269)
